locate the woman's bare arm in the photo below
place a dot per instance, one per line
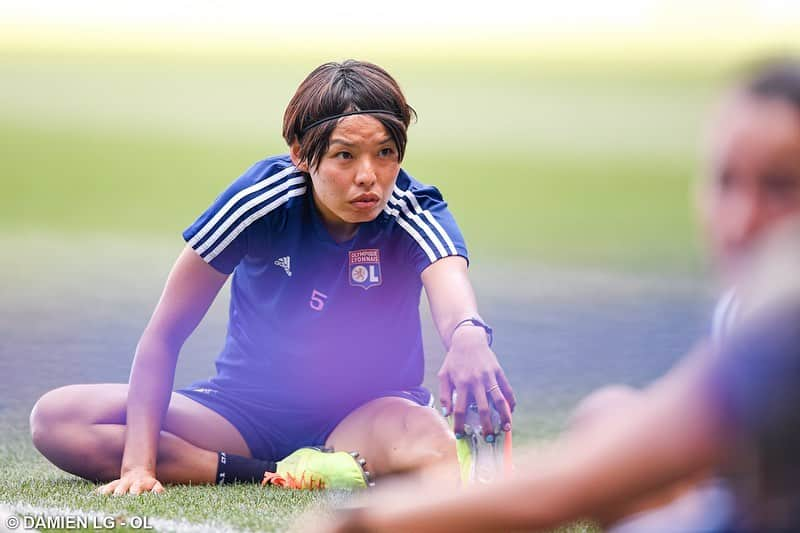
(190, 289)
(470, 367)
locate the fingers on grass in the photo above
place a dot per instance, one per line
(108, 488)
(120, 486)
(121, 489)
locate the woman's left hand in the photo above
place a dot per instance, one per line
(470, 367)
(471, 370)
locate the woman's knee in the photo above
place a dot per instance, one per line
(69, 407)
(425, 438)
(426, 425)
(601, 403)
(394, 435)
(47, 413)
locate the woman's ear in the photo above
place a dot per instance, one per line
(294, 153)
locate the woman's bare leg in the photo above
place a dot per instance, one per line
(395, 435)
(81, 429)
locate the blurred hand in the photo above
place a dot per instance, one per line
(349, 519)
(471, 370)
(349, 522)
(133, 482)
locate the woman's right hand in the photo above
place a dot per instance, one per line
(135, 481)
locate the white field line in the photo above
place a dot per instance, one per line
(159, 524)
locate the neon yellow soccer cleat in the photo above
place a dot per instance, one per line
(315, 468)
(466, 463)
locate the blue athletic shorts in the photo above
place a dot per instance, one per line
(273, 431)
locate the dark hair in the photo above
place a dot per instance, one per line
(335, 88)
(775, 78)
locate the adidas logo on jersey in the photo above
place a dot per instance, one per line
(285, 263)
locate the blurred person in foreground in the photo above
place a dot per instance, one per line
(330, 246)
(712, 445)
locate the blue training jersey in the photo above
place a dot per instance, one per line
(313, 321)
(726, 314)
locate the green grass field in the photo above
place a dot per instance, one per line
(34, 489)
(111, 157)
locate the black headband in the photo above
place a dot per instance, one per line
(347, 114)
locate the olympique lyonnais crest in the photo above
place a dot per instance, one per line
(365, 268)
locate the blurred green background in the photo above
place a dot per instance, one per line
(540, 162)
(561, 133)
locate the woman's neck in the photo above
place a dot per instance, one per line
(340, 230)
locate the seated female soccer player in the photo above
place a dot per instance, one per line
(730, 407)
(329, 247)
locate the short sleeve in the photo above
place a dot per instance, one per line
(756, 377)
(725, 315)
(219, 235)
(754, 385)
(423, 215)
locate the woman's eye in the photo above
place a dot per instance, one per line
(724, 181)
(781, 186)
(386, 152)
(343, 155)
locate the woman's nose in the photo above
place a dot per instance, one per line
(366, 174)
(742, 220)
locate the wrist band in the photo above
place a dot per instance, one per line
(475, 322)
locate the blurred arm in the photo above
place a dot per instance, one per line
(674, 431)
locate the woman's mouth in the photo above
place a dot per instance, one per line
(365, 201)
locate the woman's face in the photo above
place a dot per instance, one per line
(355, 177)
(753, 175)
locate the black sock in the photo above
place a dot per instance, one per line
(232, 468)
